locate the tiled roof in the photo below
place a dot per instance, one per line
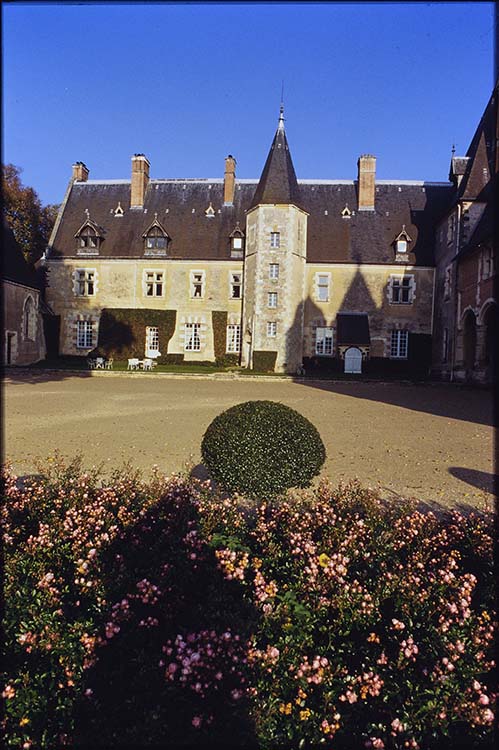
(365, 237)
(278, 183)
(14, 266)
(482, 153)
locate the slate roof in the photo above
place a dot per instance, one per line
(366, 236)
(481, 165)
(14, 266)
(352, 329)
(278, 183)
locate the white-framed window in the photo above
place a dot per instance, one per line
(273, 271)
(324, 341)
(233, 338)
(272, 299)
(402, 246)
(445, 345)
(322, 281)
(487, 263)
(192, 338)
(272, 329)
(154, 283)
(197, 284)
(29, 328)
(402, 290)
(155, 239)
(88, 241)
(85, 282)
(448, 282)
(84, 334)
(236, 283)
(399, 344)
(275, 239)
(152, 342)
(236, 247)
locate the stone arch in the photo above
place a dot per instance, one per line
(29, 318)
(469, 340)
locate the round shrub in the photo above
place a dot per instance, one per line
(262, 447)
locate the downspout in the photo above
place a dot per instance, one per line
(454, 332)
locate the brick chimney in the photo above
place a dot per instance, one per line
(229, 180)
(140, 180)
(367, 179)
(80, 172)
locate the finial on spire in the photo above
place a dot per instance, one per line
(281, 109)
(453, 149)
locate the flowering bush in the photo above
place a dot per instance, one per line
(261, 448)
(160, 613)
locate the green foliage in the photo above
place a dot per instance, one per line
(31, 222)
(122, 332)
(264, 361)
(219, 322)
(262, 447)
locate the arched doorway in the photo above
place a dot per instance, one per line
(469, 342)
(353, 360)
(491, 325)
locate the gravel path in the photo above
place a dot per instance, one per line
(433, 442)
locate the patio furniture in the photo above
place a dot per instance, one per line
(99, 363)
(108, 364)
(147, 364)
(133, 363)
(91, 364)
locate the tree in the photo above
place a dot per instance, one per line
(31, 222)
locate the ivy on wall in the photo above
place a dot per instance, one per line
(264, 361)
(219, 323)
(122, 332)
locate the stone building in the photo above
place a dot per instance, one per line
(466, 319)
(23, 339)
(275, 272)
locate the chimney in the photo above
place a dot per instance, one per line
(367, 179)
(80, 172)
(229, 180)
(140, 180)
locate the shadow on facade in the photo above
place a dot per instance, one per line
(460, 403)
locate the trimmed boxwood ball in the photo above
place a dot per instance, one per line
(262, 447)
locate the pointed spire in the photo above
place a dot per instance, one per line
(278, 183)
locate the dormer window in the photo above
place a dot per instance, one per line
(155, 238)
(401, 244)
(88, 238)
(237, 242)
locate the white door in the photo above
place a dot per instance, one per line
(353, 360)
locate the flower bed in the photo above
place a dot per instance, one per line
(142, 613)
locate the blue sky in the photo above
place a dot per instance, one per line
(186, 84)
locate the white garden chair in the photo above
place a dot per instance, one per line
(108, 364)
(133, 363)
(148, 364)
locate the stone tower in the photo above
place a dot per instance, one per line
(274, 268)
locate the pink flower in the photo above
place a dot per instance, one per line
(196, 722)
(488, 716)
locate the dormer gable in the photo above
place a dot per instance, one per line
(401, 244)
(237, 238)
(156, 238)
(89, 237)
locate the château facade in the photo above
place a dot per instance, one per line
(333, 274)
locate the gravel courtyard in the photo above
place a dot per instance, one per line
(433, 442)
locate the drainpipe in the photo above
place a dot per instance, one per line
(454, 332)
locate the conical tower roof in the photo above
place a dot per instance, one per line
(278, 183)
